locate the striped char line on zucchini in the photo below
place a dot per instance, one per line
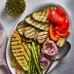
(36, 24)
(19, 52)
(38, 14)
(45, 17)
(44, 14)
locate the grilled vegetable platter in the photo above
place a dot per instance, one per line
(35, 41)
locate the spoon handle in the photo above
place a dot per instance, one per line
(49, 67)
(52, 66)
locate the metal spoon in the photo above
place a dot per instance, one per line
(62, 53)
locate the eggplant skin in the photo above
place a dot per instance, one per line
(41, 15)
(36, 24)
(21, 28)
(24, 39)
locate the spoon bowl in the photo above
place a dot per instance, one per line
(62, 53)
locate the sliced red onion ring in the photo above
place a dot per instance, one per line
(50, 49)
(44, 62)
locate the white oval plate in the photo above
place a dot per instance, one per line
(8, 50)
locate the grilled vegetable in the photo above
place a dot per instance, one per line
(41, 26)
(24, 39)
(18, 70)
(34, 51)
(25, 45)
(18, 51)
(21, 27)
(42, 36)
(13, 63)
(61, 42)
(42, 14)
(35, 56)
(58, 19)
(44, 62)
(38, 49)
(30, 63)
(29, 32)
(52, 34)
(37, 15)
(32, 66)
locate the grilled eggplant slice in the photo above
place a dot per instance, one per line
(24, 39)
(21, 28)
(41, 15)
(42, 36)
(18, 51)
(29, 32)
(39, 25)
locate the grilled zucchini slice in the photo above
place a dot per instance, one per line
(41, 15)
(18, 51)
(37, 15)
(21, 28)
(29, 32)
(42, 36)
(61, 42)
(39, 25)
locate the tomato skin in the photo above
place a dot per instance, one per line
(66, 23)
(61, 12)
(56, 18)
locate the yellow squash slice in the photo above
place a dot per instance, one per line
(18, 51)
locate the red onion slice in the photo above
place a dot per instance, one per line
(50, 49)
(44, 62)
